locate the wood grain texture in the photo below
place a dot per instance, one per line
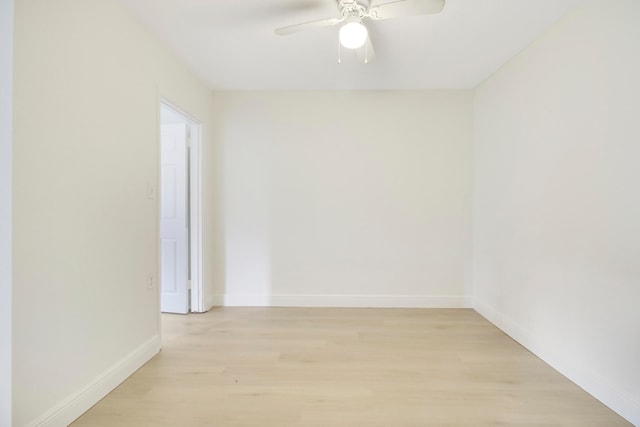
(344, 367)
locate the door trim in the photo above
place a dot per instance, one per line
(195, 217)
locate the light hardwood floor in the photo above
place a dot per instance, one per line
(344, 367)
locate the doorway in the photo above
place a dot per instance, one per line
(180, 212)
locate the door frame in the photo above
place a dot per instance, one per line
(195, 204)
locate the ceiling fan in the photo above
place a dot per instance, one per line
(353, 33)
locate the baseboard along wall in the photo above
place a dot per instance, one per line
(346, 301)
(596, 386)
(65, 412)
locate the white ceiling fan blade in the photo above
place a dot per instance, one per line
(366, 53)
(401, 8)
(308, 26)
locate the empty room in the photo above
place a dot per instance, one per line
(319, 213)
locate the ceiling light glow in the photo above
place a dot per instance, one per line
(353, 35)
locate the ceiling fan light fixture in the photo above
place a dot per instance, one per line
(353, 35)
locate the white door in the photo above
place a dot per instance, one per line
(174, 241)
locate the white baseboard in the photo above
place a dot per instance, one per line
(582, 376)
(210, 301)
(65, 412)
(355, 301)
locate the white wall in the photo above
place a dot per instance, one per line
(6, 68)
(557, 202)
(347, 198)
(86, 109)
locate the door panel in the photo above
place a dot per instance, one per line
(173, 219)
(169, 264)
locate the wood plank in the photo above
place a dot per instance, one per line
(344, 367)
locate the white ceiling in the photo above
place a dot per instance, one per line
(231, 45)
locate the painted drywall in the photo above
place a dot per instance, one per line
(6, 69)
(556, 229)
(86, 121)
(346, 198)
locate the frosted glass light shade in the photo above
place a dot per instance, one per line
(353, 35)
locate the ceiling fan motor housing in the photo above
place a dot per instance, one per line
(353, 10)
